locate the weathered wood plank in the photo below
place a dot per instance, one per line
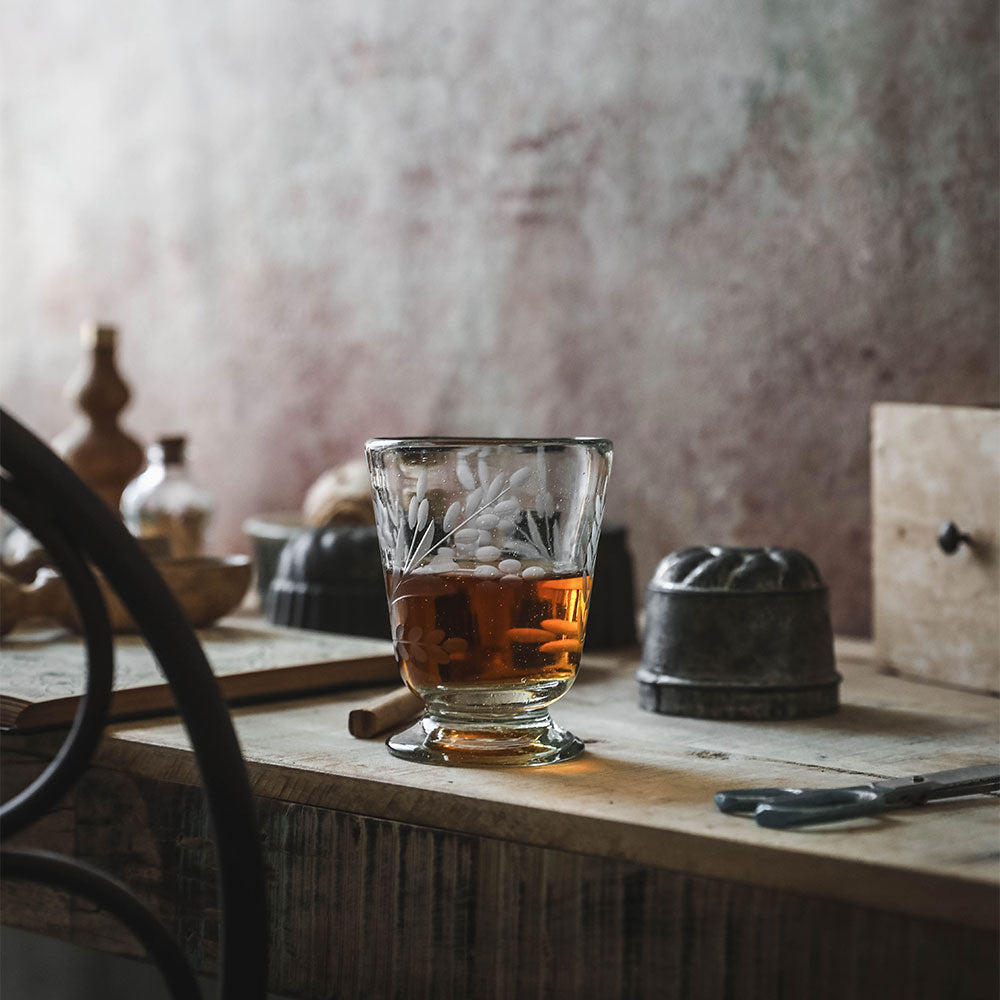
(936, 615)
(364, 907)
(643, 792)
(610, 876)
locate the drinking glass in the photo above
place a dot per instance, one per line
(488, 548)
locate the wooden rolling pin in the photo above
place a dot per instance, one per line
(206, 588)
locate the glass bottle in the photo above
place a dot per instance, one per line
(162, 502)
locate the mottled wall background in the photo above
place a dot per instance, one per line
(715, 232)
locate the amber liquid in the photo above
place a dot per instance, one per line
(473, 643)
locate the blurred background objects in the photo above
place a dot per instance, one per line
(715, 233)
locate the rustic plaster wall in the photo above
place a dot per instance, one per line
(713, 232)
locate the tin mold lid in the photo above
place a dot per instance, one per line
(736, 569)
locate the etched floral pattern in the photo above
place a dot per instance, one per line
(491, 521)
(423, 647)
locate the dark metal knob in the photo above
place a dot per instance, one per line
(950, 537)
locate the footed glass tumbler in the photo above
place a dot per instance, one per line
(488, 547)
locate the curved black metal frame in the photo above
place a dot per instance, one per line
(76, 527)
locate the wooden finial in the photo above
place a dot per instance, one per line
(94, 446)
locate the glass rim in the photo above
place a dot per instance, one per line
(475, 442)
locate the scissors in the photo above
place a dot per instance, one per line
(781, 807)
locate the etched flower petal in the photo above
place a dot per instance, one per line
(561, 627)
(533, 635)
(562, 646)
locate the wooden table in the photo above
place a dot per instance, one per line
(613, 875)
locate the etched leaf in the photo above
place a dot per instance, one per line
(422, 513)
(453, 515)
(521, 548)
(464, 473)
(411, 514)
(399, 554)
(536, 535)
(472, 500)
(484, 470)
(496, 487)
(385, 537)
(421, 485)
(520, 477)
(424, 546)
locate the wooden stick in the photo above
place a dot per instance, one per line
(389, 711)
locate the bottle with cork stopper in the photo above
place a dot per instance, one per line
(94, 446)
(163, 503)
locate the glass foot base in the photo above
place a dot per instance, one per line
(464, 744)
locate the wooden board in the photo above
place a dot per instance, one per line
(937, 616)
(363, 907)
(42, 673)
(643, 790)
(383, 871)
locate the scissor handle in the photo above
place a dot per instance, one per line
(746, 800)
(821, 805)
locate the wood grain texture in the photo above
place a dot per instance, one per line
(363, 907)
(611, 876)
(44, 671)
(937, 616)
(429, 914)
(643, 790)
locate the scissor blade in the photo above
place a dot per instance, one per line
(940, 785)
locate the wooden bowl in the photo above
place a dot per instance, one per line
(206, 587)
